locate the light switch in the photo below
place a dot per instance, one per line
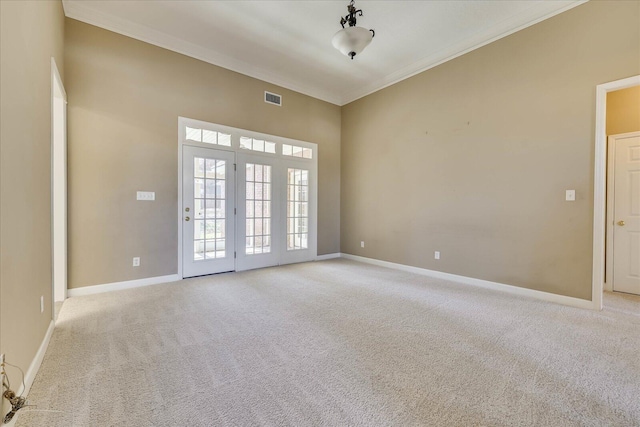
(570, 195)
(146, 195)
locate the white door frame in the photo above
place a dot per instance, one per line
(600, 185)
(58, 188)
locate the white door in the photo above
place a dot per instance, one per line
(259, 189)
(626, 234)
(208, 221)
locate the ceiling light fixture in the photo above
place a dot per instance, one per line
(352, 40)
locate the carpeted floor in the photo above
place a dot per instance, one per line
(336, 343)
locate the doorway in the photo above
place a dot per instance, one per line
(600, 186)
(58, 187)
(247, 200)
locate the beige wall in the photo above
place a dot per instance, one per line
(472, 158)
(30, 34)
(623, 111)
(125, 97)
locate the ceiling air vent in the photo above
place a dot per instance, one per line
(272, 98)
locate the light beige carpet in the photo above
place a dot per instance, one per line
(336, 343)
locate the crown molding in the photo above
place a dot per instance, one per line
(76, 10)
(505, 28)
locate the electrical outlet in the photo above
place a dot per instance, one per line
(436, 255)
(362, 244)
(41, 303)
(136, 261)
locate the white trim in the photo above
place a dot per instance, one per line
(117, 286)
(600, 183)
(56, 75)
(30, 375)
(608, 278)
(328, 256)
(515, 290)
(80, 11)
(58, 290)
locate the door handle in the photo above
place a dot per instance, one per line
(186, 218)
(621, 223)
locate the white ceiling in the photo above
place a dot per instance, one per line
(288, 43)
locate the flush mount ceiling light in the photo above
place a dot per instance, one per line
(352, 40)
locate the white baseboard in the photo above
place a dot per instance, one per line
(516, 290)
(116, 286)
(328, 256)
(30, 375)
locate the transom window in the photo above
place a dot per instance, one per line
(296, 151)
(257, 145)
(208, 136)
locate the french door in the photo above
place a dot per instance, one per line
(298, 218)
(247, 200)
(258, 228)
(208, 202)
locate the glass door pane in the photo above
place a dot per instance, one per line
(258, 208)
(297, 209)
